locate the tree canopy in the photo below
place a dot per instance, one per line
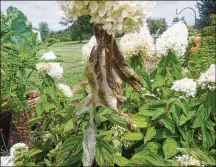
(78, 28)
(155, 24)
(206, 8)
(44, 30)
(177, 19)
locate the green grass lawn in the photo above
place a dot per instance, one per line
(71, 55)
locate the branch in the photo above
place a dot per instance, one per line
(187, 8)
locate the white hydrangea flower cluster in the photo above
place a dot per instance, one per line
(52, 69)
(49, 56)
(65, 89)
(9, 160)
(135, 44)
(175, 39)
(87, 48)
(208, 79)
(186, 85)
(122, 16)
(186, 160)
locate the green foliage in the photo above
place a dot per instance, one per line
(61, 35)
(19, 47)
(104, 153)
(80, 29)
(206, 56)
(168, 124)
(210, 30)
(177, 19)
(156, 24)
(206, 8)
(44, 30)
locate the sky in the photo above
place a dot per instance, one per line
(49, 11)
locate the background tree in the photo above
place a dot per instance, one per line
(44, 30)
(206, 8)
(177, 19)
(80, 29)
(157, 23)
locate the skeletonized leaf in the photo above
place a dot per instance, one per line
(89, 143)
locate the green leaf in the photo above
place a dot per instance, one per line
(164, 133)
(76, 97)
(72, 159)
(154, 105)
(150, 133)
(133, 136)
(183, 105)
(208, 137)
(116, 120)
(169, 148)
(144, 158)
(152, 113)
(168, 123)
(139, 120)
(48, 106)
(138, 160)
(105, 133)
(201, 116)
(158, 82)
(155, 159)
(34, 151)
(146, 78)
(19, 163)
(71, 146)
(184, 119)
(194, 102)
(211, 100)
(68, 126)
(35, 120)
(175, 113)
(47, 162)
(120, 161)
(40, 105)
(104, 153)
(153, 147)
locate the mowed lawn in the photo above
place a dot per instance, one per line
(71, 55)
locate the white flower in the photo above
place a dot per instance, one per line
(186, 160)
(9, 160)
(207, 79)
(138, 44)
(186, 85)
(43, 68)
(116, 15)
(18, 147)
(49, 56)
(175, 39)
(65, 89)
(55, 71)
(52, 69)
(87, 48)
